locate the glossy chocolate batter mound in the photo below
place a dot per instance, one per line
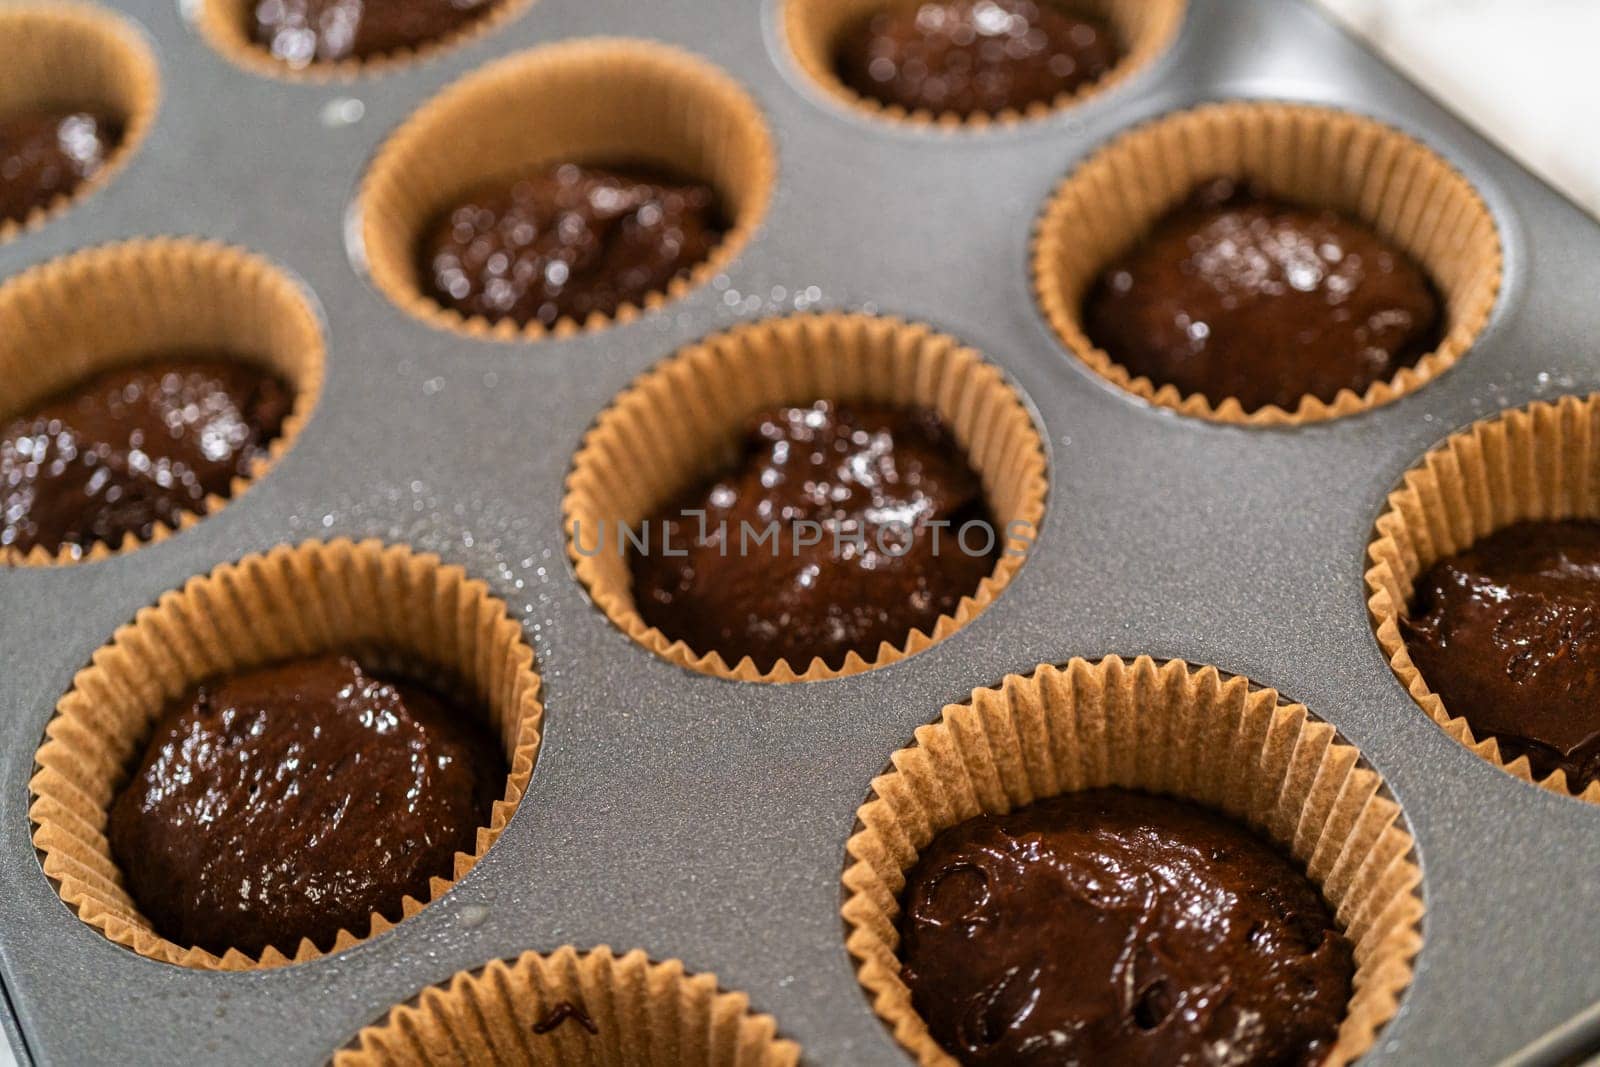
(44, 154)
(568, 242)
(301, 32)
(133, 447)
(883, 475)
(1237, 294)
(1111, 927)
(974, 56)
(294, 801)
(1508, 634)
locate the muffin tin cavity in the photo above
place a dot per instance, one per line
(814, 30)
(542, 1010)
(1313, 156)
(76, 57)
(681, 421)
(1170, 729)
(1538, 463)
(595, 102)
(396, 607)
(118, 306)
(227, 25)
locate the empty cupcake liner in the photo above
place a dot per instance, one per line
(596, 101)
(225, 25)
(1145, 29)
(291, 602)
(119, 305)
(68, 54)
(525, 1011)
(1393, 183)
(681, 421)
(1166, 728)
(1537, 463)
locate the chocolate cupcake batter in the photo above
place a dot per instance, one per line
(1238, 294)
(873, 480)
(974, 56)
(294, 801)
(568, 242)
(1115, 927)
(130, 448)
(44, 154)
(302, 32)
(1508, 634)
(565, 1011)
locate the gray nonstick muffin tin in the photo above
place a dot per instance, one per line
(704, 819)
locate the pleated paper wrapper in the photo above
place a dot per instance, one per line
(120, 305)
(225, 25)
(73, 55)
(814, 29)
(1539, 463)
(594, 101)
(361, 598)
(682, 421)
(1319, 157)
(1166, 728)
(644, 1014)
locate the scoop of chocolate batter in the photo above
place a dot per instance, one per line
(44, 154)
(1114, 927)
(568, 242)
(1238, 294)
(1508, 634)
(872, 481)
(974, 56)
(301, 32)
(294, 801)
(133, 447)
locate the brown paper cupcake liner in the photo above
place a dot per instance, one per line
(288, 603)
(225, 25)
(1538, 463)
(682, 420)
(118, 305)
(642, 1014)
(1145, 28)
(597, 101)
(66, 54)
(1167, 728)
(1371, 172)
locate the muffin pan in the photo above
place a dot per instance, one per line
(702, 819)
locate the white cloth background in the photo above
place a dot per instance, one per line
(1525, 72)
